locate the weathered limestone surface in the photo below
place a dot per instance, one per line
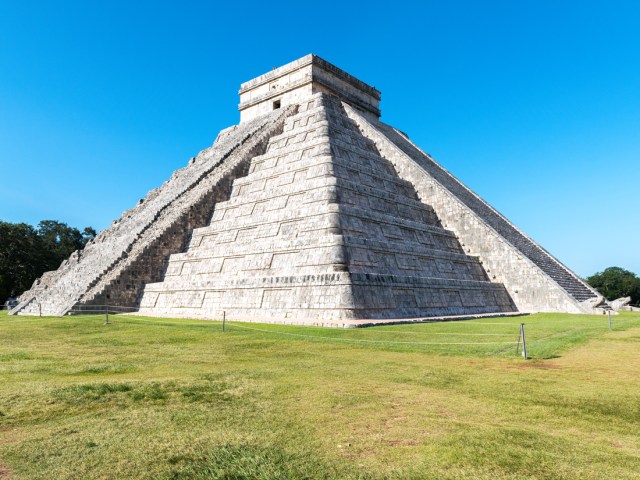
(311, 210)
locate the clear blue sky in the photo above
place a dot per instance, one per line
(533, 104)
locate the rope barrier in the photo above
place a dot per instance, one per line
(356, 340)
(468, 321)
(82, 307)
(129, 320)
(90, 312)
(101, 309)
(415, 332)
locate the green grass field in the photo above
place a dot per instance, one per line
(178, 399)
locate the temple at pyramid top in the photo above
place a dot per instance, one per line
(295, 81)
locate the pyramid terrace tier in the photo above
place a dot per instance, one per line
(322, 253)
(308, 220)
(327, 189)
(314, 148)
(334, 297)
(317, 158)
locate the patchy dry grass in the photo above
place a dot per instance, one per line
(178, 399)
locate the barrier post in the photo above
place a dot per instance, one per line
(524, 341)
(224, 318)
(609, 313)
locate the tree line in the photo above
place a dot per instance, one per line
(616, 282)
(26, 252)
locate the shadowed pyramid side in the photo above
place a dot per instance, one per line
(534, 279)
(403, 263)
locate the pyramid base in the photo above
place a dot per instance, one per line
(352, 323)
(338, 298)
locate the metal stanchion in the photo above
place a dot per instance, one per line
(524, 342)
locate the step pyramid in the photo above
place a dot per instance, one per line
(311, 210)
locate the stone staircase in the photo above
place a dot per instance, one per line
(165, 216)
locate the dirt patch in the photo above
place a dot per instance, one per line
(5, 473)
(8, 435)
(544, 366)
(401, 443)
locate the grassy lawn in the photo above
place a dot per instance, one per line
(178, 399)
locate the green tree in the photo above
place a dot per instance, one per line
(616, 282)
(60, 241)
(21, 258)
(27, 252)
(88, 234)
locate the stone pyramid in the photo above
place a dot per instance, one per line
(311, 210)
